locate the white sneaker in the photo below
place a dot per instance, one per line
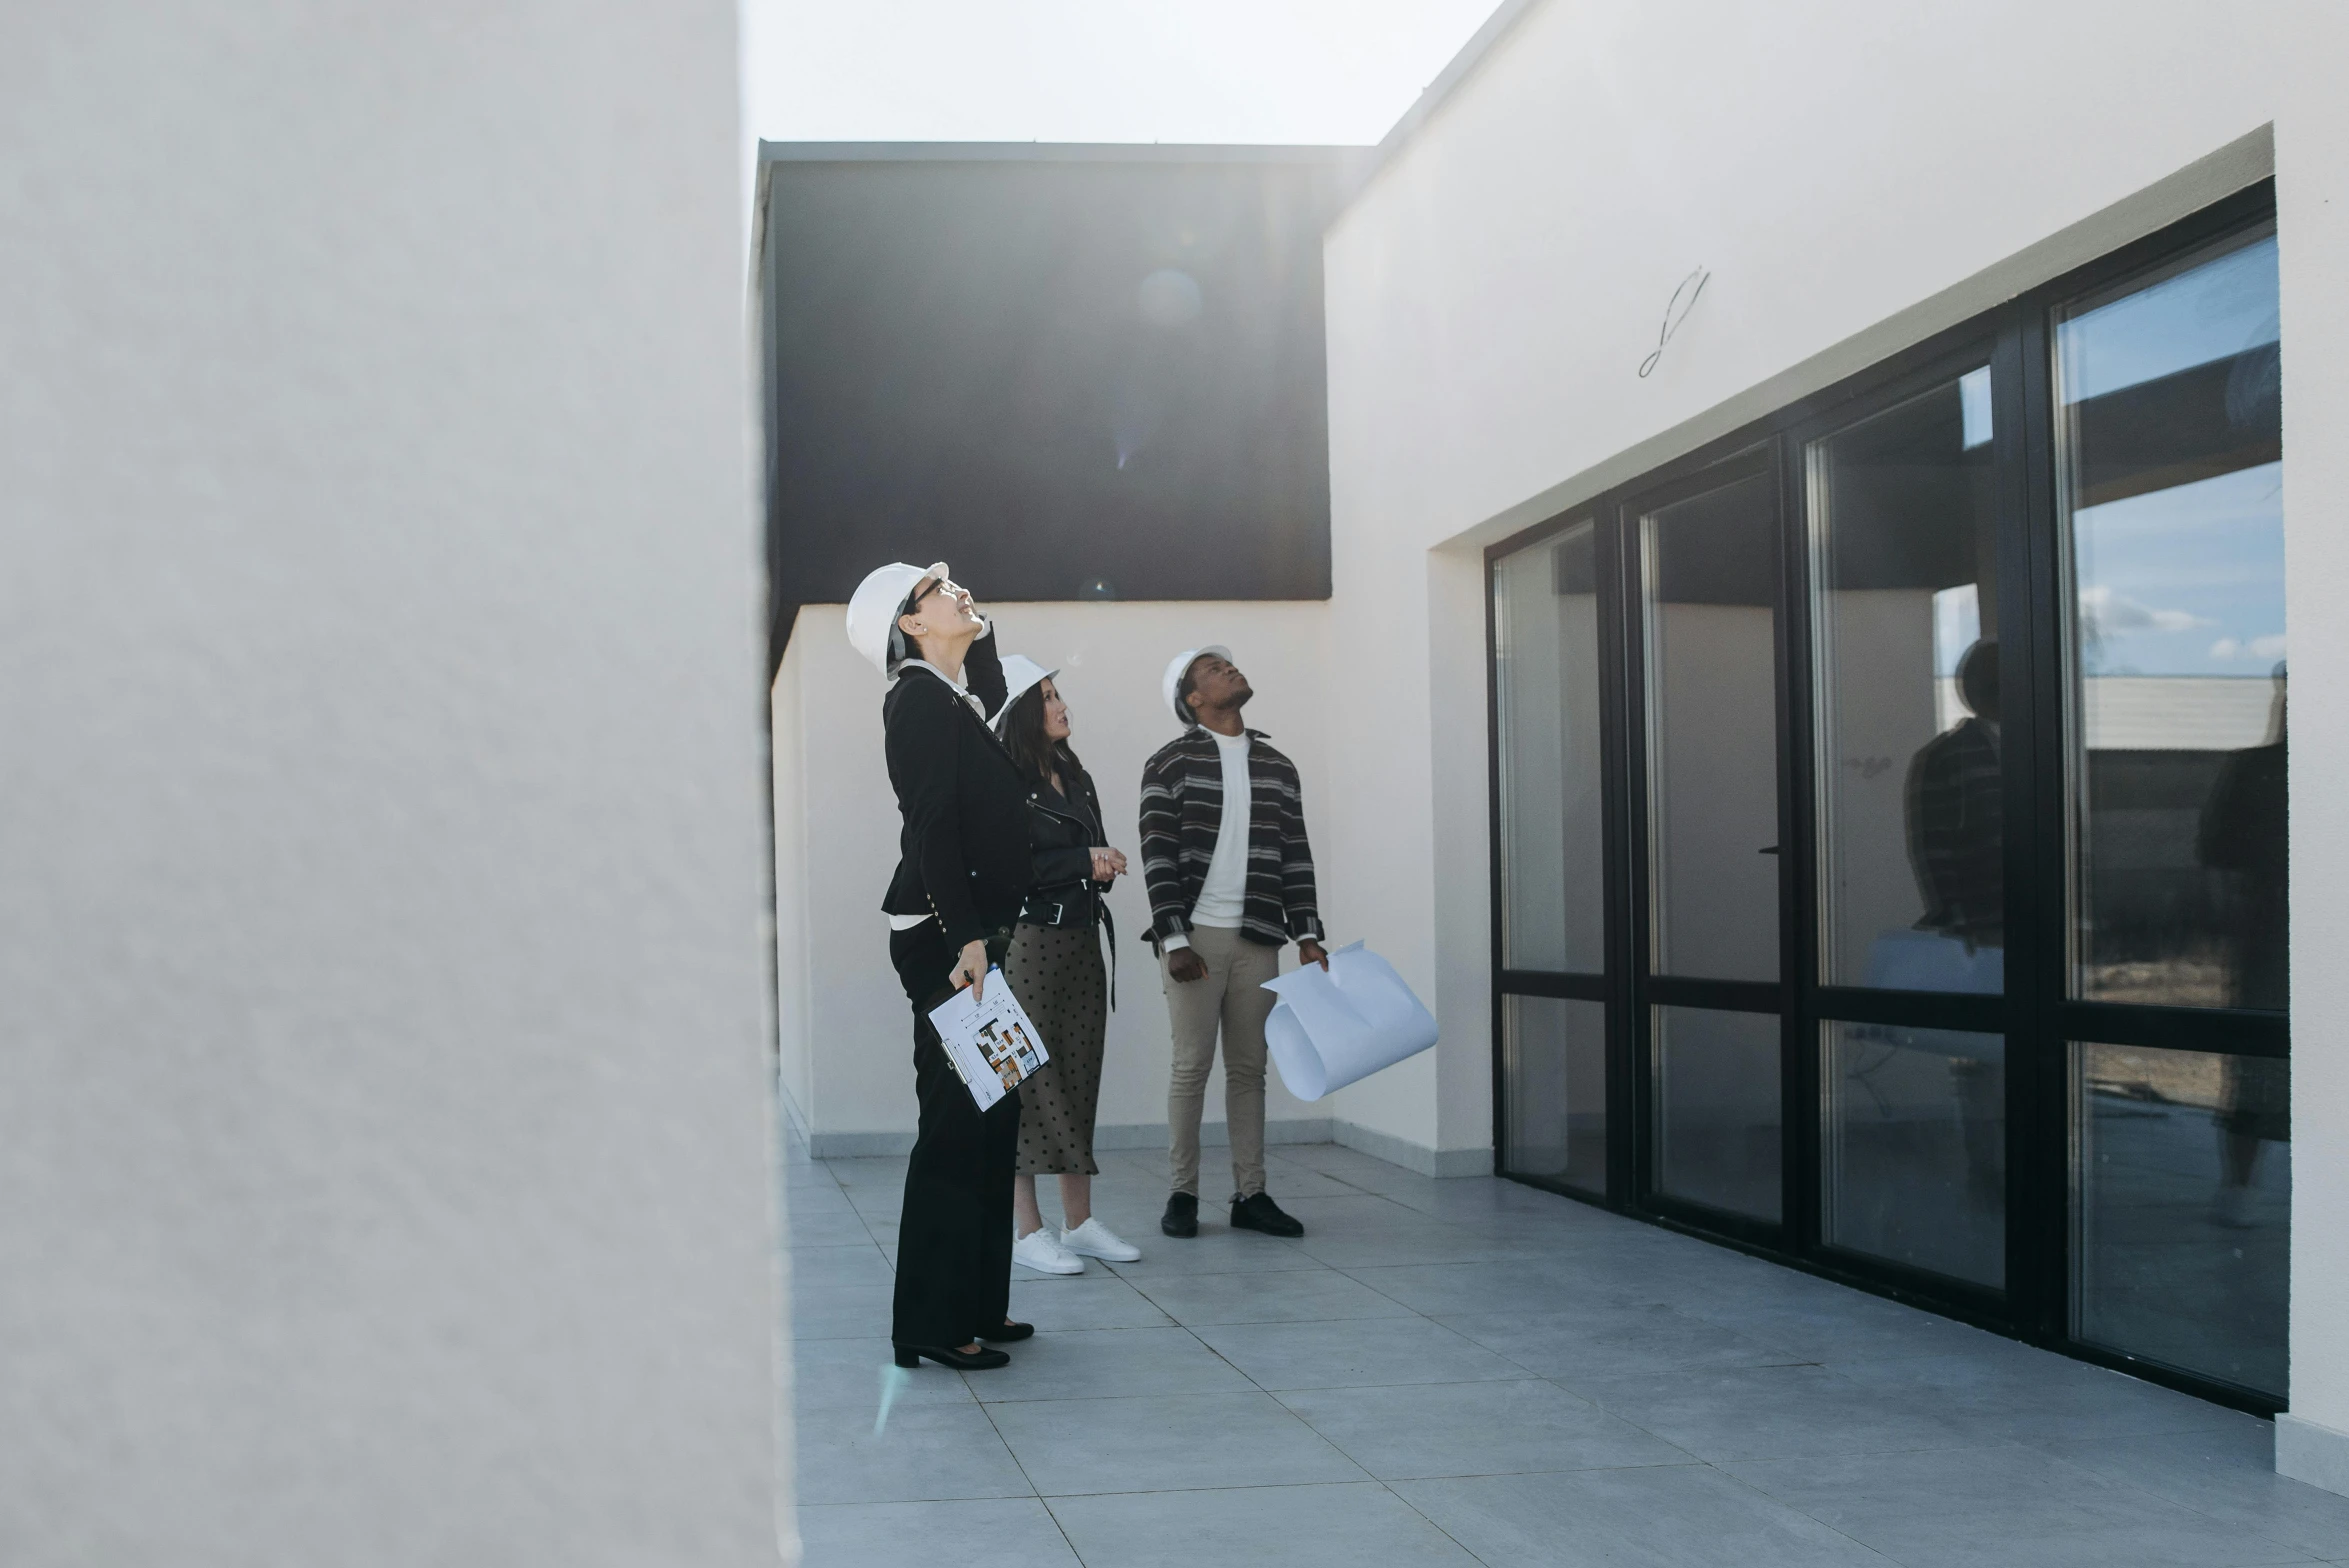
(1041, 1250)
(1096, 1240)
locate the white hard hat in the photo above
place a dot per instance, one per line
(1019, 674)
(875, 606)
(1182, 667)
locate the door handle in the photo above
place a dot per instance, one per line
(1767, 849)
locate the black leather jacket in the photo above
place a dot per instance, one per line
(1063, 831)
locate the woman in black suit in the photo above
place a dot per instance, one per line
(962, 874)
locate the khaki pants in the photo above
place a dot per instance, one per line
(1232, 997)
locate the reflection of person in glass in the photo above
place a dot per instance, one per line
(1955, 813)
(2243, 837)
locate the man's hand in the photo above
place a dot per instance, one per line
(971, 969)
(1108, 864)
(1185, 964)
(1309, 952)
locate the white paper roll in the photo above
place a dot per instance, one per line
(1331, 1028)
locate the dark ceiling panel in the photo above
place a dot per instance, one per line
(1069, 376)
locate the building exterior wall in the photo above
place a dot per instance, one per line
(847, 1035)
(384, 1123)
(1855, 178)
(2312, 189)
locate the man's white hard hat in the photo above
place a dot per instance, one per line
(1020, 674)
(875, 606)
(1182, 667)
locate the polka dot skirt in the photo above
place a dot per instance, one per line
(1057, 973)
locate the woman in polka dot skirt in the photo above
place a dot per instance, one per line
(1056, 970)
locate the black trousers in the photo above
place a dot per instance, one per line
(954, 1236)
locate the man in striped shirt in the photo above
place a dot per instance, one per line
(1230, 878)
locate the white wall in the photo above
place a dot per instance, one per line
(1856, 177)
(2312, 193)
(848, 1034)
(383, 1125)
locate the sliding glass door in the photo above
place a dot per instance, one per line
(1889, 826)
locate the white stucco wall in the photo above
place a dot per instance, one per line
(1855, 177)
(2312, 222)
(384, 1138)
(847, 1032)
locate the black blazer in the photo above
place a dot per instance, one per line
(1063, 831)
(963, 852)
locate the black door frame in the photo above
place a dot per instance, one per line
(2035, 1014)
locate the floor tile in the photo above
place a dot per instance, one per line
(820, 1268)
(840, 1311)
(926, 1452)
(840, 1228)
(1521, 1285)
(845, 1374)
(1097, 1299)
(1833, 1324)
(1611, 1339)
(1689, 1516)
(1296, 1296)
(1365, 1352)
(1442, 1429)
(2226, 1472)
(1724, 1414)
(1009, 1532)
(1215, 1252)
(1109, 1363)
(1357, 1526)
(1166, 1443)
(2006, 1505)
(2004, 1390)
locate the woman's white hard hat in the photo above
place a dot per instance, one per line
(1021, 674)
(874, 607)
(1182, 667)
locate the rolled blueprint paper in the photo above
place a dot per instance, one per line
(1331, 1028)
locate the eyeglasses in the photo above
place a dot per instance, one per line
(913, 601)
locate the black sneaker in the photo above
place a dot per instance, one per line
(1182, 1215)
(1257, 1211)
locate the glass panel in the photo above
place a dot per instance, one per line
(1556, 1060)
(2184, 1209)
(1546, 672)
(1710, 575)
(1916, 1148)
(2172, 489)
(1717, 1127)
(1904, 547)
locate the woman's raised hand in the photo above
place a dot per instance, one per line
(1108, 864)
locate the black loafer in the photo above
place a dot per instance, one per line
(1182, 1215)
(1257, 1211)
(960, 1360)
(1008, 1333)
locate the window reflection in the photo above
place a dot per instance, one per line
(2184, 1209)
(1557, 1090)
(1912, 803)
(1546, 674)
(1716, 1109)
(1915, 1167)
(2171, 444)
(1710, 575)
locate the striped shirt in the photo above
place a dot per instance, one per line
(1182, 819)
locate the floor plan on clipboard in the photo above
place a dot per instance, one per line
(992, 1042)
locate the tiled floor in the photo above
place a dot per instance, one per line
(1471, 1371)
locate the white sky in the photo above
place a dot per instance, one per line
(1325, 71)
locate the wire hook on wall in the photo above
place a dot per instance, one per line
(1676, 311)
